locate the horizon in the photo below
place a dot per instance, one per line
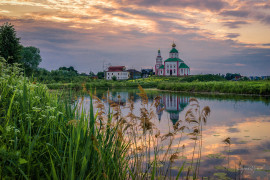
(212, 36)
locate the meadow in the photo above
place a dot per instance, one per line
(197, 83)
(232, 87)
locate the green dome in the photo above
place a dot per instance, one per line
(174, 50)
(173, 60)
(183, 65)
(161, 67)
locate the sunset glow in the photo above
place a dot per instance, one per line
(210, 34)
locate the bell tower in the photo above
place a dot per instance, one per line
(158, 62)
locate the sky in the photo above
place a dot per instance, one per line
(212, 36)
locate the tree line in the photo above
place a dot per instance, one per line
(29, 57)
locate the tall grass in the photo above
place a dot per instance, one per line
(41, 136)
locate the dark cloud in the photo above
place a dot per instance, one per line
(232, 35)
(268, 44)
(52, 35)
(266, 20)
(256, 61)
(234, 24)
(213, 5)
(263, 18)
(240, 13)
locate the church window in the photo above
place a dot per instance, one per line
(168, 71)
(173, 71)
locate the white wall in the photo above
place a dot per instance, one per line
(120, 75)
(171, 66)
(184, 71)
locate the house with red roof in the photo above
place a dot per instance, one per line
(119, 72)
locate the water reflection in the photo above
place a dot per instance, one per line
(245, 120)
(173, 105)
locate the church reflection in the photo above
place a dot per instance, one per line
(173, 105)
(170, 103)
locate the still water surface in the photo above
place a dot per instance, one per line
(246, 120)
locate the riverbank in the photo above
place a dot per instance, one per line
(224, 87)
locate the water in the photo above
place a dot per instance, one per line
(246, 120)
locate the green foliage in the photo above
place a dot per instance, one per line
(30, 59)
(100, 75)
(114, 78)
(203, 78)
(91, 74)
(42, 136)
(230, 76)
(10, 48)
(69, 69)
(238, 87)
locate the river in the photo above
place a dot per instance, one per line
(245, 120)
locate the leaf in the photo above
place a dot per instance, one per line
(22, 161)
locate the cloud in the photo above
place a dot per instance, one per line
(248, 61)
(232, 35)
(124, 32)
(239, 64)
(239, 13)
(234, 24)
(213, 5)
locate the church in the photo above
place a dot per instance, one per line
(173, 66)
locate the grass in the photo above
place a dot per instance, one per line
(42, 136)
(196, 83)
(241, 87)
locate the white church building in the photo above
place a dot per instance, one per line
(173, 66)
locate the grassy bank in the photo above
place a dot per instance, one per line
(102, 84)
(44, 137)
(239, 87)
(184, 84)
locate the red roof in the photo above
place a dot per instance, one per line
(116, 68)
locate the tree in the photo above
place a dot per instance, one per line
(70, 69)
(230, 76)
(30, 58)
(100, 75)
(91, 74)
(114, 78)
(10, 47)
